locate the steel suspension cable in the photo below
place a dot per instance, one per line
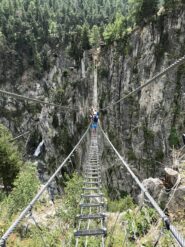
(24, 133)
(19, 136)
(172, 66)
(35, 199)
(164, 217)
(21, 97)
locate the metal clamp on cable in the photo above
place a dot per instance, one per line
(30, 212)
(166, 222)
(2, 243)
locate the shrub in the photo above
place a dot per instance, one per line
(71, 200)
(25, 188)
(138, 225)
(10, 160)
(120, 205)
(173, 138)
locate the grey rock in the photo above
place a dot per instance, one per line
(153, 186)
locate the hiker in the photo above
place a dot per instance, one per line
(94, 121)
(183, 138)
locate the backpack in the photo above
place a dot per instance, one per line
(95, 118)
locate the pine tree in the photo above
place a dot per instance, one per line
(95, 36)
(148, 9)
(169, 4)
(10, 160)
(85, 38)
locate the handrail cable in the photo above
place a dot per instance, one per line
(21, 97)
(39, 228)
(35, 199)
(24, 133)
(164, 217)
(172, 66)
(173, 189)
(19, 136)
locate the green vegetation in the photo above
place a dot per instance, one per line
(127, 223)
(40, 237)
(159, 155)
(131, 155)
(120, 205)
(18, 178)
(139, 222)
(142, 10)
(71, 199)
(148, 134)
(59, 96)
(173, 138)
(10, 160)
(25, 188)
(37, 29)
(116, 30)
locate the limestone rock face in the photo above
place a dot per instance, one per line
(177, 205)
(154, 186)
(59, 128)
(145, 126)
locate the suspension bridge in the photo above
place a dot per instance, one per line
(91, 220)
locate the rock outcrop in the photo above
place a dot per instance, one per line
(169, 192)
(145, 126)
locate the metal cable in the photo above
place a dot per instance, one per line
(19, 136)
(172, 66)
(40, 229)
(174, 188)
(159, 237)
(164, 217)
(21, 97)
(35, 199)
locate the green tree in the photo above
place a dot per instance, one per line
(148, 9)
(10, 160)
(169, 4)
(174, 138)
(141, 10)
(72, 197)
(85, 38)
(25, 188)
(116, 30)
(95, 36)
(28, 25)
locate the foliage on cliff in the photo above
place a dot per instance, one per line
(32, 29)
(10, 161)
(31, 32)
(36, 29)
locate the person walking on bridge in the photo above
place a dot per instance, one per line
(94, 121)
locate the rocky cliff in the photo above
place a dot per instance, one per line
(144, 127)
(53, 131)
